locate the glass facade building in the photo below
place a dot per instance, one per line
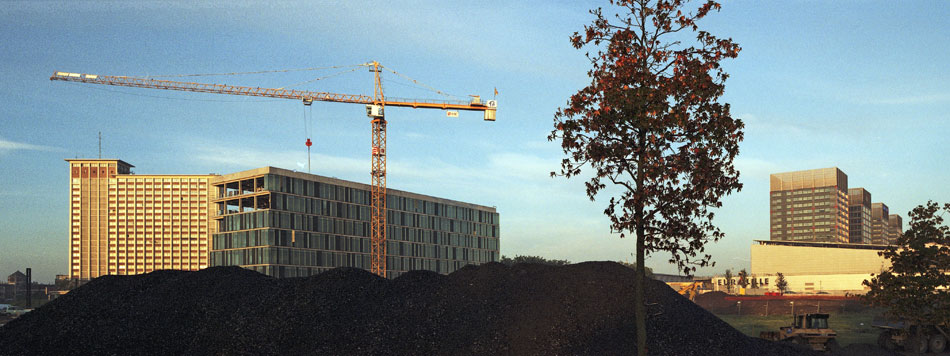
(809, 205)
(880, 224)
(896, 228)
(859, 219)
(290, 224)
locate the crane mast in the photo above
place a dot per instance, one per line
(375, 110)
(378, 176)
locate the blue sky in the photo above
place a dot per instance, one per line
(861, 85)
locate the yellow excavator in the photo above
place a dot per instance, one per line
(687, 289)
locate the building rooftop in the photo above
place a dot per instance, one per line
(99, 160)
(812, 178)
(819, 244)
(341, 182)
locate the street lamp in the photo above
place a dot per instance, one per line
(739, 304)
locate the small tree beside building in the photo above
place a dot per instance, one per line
(743, 278)
(781, 283)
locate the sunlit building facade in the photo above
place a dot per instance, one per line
(809, 205)
(122, 223)
(290, 224)
(896, 228)
(880, 224)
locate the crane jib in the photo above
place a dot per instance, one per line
(306, 95)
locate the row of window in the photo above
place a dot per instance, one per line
(803, 191)
(451, 246)
(343, 226)
(309, 188)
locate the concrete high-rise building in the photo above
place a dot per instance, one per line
(89, 215)
(859, 216)
(291, 224)
(809, 205)
(895, 228)
(121, 223)
(879, 224)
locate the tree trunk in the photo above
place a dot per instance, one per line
(638, 297)
(640, 308)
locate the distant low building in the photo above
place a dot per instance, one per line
(14, 288)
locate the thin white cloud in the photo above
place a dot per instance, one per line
(416, 135)
(759, 125)
(756, 169)
(9, 146)
(915, 99)
(244, 157)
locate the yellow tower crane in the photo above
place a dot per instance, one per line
(375, 106)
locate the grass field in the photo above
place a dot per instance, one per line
(851, 327)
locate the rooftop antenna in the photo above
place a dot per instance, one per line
(100, 144)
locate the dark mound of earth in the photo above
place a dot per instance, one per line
(582, 309)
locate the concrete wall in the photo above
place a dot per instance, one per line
(808, 260)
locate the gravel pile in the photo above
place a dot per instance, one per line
(582, 309)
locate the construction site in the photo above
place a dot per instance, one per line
(304, 244)
(432, 178)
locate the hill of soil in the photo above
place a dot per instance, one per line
(582, 309)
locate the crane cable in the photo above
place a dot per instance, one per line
(424, 86)
(319, 78)
(243, 73)
(308, 129)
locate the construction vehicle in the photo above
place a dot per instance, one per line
(375, 110)
(911, 336)
(807, 329)
(688, 289)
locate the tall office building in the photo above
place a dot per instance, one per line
(290, 224)
(895, 228)
(880, 224)
(859, 216)
(89, 214)
(121, 223)
(809, 205)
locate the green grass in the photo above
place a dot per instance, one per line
(848, 325)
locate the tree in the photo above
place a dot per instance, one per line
(532, 259)
(755, 282)
(650, 124)
(781, 283)
(729, 281)
(915, 286)
(743, 278)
